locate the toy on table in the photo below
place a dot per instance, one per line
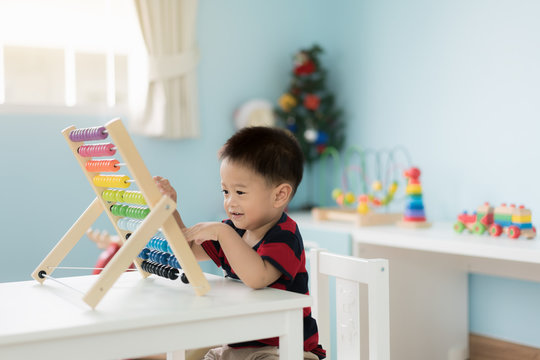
(415, 214)
(512, 221)
(110, 244)
(135, 215)
(365, 196)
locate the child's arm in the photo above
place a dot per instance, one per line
(166, 188)
(247, 264)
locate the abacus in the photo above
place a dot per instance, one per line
(152, 238)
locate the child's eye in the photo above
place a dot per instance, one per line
(240, 192)
(225, 192)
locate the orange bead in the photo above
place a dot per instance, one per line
(102, 165)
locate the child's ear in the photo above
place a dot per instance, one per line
(282, 194)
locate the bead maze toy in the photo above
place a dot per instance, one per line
(415, 214)
(137, 216)
(512, 221)
(357, 202)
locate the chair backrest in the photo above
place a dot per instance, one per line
(350, 272)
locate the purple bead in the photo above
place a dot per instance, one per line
(88, 134)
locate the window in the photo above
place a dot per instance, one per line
(68, 53)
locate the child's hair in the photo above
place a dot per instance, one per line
(271, 152)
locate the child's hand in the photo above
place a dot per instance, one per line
(202, 232)
(165, 187)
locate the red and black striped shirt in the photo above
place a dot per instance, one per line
(281, 246)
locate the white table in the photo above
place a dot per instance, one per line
(429, 279)
(140, 317)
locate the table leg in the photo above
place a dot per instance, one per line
(291, 344)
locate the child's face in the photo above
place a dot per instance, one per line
(247, 196)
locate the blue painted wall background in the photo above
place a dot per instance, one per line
(456, 82)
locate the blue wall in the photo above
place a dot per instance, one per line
(456, 82)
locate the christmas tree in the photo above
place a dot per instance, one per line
(307, 109)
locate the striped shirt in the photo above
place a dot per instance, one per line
(282, 247)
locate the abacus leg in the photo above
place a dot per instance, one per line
(68, 241)
(129, 251)
(182, 251)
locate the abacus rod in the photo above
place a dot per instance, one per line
(80, 268)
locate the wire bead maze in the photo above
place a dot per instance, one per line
(152, 239)
(369, 184)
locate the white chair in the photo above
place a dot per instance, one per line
(350, 272)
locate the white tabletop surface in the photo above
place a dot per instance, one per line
(440, 238)
(33, 312)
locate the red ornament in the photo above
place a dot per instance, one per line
(321, 148)
(311, 102)
(306, 68)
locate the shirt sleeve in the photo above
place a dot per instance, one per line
(283, 250)
(212, 248)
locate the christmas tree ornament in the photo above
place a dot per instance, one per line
(311, 102)
(310, 135)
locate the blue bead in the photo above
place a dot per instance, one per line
(144, 253)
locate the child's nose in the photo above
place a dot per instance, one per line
(229, 200)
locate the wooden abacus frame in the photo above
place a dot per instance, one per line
(160, 216)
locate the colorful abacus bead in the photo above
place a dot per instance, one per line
(113, 195)
(159, 257)
(173, 262)
(111, 165)
(97, 150)
(117, 181)
(133, 197)
(136, 212)
(128, 224)
(158, 243)
(160, 270)
(118, 210)
(88, 134)
(144, 253)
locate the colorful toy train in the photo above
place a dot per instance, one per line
(513, 221)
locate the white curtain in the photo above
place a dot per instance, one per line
(171, 108)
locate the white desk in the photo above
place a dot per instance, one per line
(140, 317)
(429, 279)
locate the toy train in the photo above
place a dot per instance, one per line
(514, 222)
